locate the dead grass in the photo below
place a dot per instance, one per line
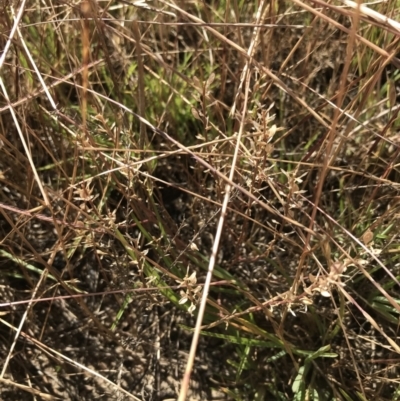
(227, 163)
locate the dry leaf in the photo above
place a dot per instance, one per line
(367, 237)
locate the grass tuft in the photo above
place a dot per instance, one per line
(221, 174)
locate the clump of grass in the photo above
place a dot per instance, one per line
(227, 163)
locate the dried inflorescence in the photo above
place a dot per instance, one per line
(191, 292)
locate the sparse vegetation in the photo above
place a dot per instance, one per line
(128, 128)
